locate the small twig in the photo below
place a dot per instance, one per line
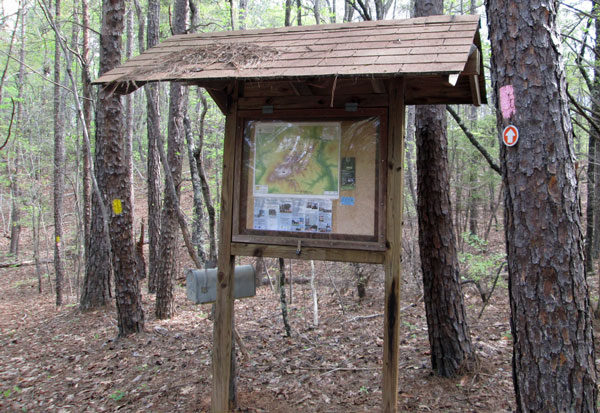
(338, 293)
(367, 317)
(241, 345)
(581, 111)
(485, 303)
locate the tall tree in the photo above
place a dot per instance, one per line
(449, 335)
(86, 83)
(553, 354)
(116, 165)
(59, 160)
(178, 99)
(153, 160)
(15, 228)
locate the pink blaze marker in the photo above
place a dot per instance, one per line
(507, 101)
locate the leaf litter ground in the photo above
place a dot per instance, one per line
(67, 361)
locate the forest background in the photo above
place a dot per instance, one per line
(34, 77)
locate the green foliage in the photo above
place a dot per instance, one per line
(9, 392)
(118, 395)
(477, 262)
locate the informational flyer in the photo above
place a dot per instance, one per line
(325, 223)
(293, 214)
(348, 174)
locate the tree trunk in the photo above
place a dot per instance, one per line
(449, 335)
(195, 155)
(259, 270)
(243, 12)
(348, 11)
(299, 11)
(288, 13)
(317, 11)
(410, 149)
(472, 206)
(15, 209)
(169, 223)
(553, 353)
(153, 155)
(116, 172)
(282, 300)
(87, 115)
(98, 271)
(59, 160)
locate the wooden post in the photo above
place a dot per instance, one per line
(222, 330)
(393, 258)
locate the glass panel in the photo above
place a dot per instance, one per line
(312, 179)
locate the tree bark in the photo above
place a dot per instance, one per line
(243, 13)
(169, 221)
(116, 171)
(87, 115)
(15, 208)
(553, 353)
(449, 335)
(195, 162)
(59, 160)
(282, 300)
(348, 11)
(153, 125)
(288, 13)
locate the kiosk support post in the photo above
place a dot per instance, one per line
(222, 330)
(393, 257)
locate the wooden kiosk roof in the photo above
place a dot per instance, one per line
(440, 56)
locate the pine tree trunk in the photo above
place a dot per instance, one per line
(59, 160)
(553, 355)
(153, 156)
(96, 291)
(117, 176)
(87, 115)
(175, 149)
(449, 335)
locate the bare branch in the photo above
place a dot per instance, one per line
(581, 110)
(472, 139)
(12, 117)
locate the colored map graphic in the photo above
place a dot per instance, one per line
(297, 159)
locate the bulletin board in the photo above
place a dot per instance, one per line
(318, 179)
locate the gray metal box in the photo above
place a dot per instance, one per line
(202, 284)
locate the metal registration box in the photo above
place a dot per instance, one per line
(202, 284)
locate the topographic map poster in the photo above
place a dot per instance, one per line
(297, 159)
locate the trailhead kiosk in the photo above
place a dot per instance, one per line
(314, 142)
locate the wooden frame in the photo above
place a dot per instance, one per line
(375, 242)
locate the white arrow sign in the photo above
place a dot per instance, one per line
(510, 135)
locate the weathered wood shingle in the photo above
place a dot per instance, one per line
(421, 46)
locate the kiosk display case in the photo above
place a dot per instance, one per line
(319, 181)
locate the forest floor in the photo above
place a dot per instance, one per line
(68, 361)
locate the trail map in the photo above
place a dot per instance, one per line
(297, 159)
